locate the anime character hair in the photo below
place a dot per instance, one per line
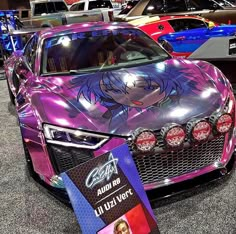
(174, 81)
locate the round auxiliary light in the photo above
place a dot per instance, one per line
(145, 140)
(173, 135)
(198, 130)
(222, 122)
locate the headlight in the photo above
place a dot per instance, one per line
(73, 137)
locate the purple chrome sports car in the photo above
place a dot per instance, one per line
(81, 90)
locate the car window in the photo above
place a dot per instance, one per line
(160, 6)
(40, 8)
(175, 6)
(60, 6)
(54, 7)
(99, 4)
(49, 7)
(74, 7)
(154, 7)
(80, 6)
(130, 5)
(30, 51)
(92, 51)
(186, 24)
(204, 4)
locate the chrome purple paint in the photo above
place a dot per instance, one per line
(192, 89)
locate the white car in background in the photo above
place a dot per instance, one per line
(105, 5)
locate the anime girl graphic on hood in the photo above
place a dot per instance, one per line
(145, 88)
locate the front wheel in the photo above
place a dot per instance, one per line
(12, 97)
(28, 160)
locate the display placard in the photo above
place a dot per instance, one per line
(107, 195)
(232, 46)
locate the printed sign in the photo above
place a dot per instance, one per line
(232, 46)
(108, 197)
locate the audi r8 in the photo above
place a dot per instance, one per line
(81, 90)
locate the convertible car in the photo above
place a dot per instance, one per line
(81, 90)
(184, 33)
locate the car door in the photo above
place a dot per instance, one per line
(222, 31)
(189, 34)
(24, 69)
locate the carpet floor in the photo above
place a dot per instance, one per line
(25, 208)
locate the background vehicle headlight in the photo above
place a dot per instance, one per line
(73, 137)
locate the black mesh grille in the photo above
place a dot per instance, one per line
(159, 166)
(64, 158)
(152, 167)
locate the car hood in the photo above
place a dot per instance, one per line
(147, 96)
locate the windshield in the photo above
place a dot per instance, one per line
(97, 50)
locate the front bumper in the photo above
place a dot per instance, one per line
(182, 168)
(189, 186)
(160, 168)
(159, 194)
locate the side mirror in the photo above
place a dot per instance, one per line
(211, 25)
(167, 46)
(21, 69)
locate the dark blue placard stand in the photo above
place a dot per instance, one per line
(108, 189)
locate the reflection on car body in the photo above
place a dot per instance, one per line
(81, 90)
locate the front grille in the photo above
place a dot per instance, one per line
(64, 158)
(159, 166)
(151, 167)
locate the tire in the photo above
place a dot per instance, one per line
(29, 164)
(12, 97)
(58, 193)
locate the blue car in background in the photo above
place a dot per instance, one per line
(184, 33)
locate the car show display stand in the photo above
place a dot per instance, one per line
(106, 192)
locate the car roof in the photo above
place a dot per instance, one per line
(81, 27)
(74, 3)
(45, 1)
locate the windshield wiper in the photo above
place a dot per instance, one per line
(83, 71)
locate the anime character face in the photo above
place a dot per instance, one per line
(122, 90)
(138, 93)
